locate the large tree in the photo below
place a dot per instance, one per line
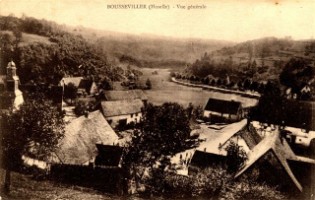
(34, 130)
(164, 132)
(297, 73)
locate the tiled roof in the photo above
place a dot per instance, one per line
(115, 95)
(116, 108)
(223, 106)
(81, 136)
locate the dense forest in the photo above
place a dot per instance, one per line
(63, 54)
(285, 63)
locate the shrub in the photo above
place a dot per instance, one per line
(236, 156)
(251, 190)
(205, 183)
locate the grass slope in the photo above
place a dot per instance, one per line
(24, 187)
(28, 39)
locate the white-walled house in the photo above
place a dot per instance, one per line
(230, 110)
(122, 112)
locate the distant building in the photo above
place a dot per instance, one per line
(122, 112)
(88, 87)
(85, 86)
(115, 95)
(10, 95)
(78, 147)
(223, 109)
(74, 80)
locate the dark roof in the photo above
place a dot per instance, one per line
(223, 106)
(85, 84)
(108, 155)
(298, 114)
(116, 108)
(203, 159)
(250, 136)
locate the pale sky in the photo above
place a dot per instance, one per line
(227, 19)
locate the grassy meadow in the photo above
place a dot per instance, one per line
(163, 90)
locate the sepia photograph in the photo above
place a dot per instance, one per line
(156, 99)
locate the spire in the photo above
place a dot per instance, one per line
(11, 70)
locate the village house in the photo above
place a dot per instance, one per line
(122, 112)
(223, 110)
(216, 139)
(212, 149)
(85, 86)
(78, 147)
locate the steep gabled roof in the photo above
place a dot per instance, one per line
(216, 139)
(85, 84)
(223, 106)
(116, 108)
(280, 149)
(81, 136)
(117, 95)
(75, 80)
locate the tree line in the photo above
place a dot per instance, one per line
(66, 55)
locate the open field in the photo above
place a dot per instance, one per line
(163, 90)
(28, 39)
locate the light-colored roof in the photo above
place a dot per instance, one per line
(81, 136)
(116, 95)
(75, 80)
(116, 108)
(215, 139)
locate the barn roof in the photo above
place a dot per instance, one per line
(81, 136)
(116, 95)
(124, 107)
(223, 106)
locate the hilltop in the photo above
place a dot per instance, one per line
(146, 50)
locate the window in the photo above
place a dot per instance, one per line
(131, 115)
(136, 114)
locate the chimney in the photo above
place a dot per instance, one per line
(86, 114)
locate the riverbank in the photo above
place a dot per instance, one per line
(217, 89)
(165, 90)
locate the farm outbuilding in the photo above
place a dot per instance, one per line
(218, 109)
